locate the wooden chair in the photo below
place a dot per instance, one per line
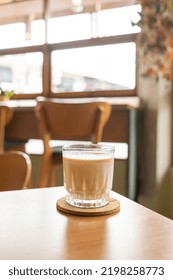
(15, 170)
(6, 114)
(67, 119)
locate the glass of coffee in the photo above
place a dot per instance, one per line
(88, 174)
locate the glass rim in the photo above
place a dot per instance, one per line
(89, 147)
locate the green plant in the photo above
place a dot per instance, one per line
(6, 93)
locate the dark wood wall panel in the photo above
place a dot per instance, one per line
(116, 129)
(24, 126)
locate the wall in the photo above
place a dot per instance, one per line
(155, 173)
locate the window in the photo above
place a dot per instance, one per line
(19, 35)
(118, 21)
(93, 51)
(21, 73)
(98, 68)
(66, 28)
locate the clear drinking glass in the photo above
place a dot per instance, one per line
(88, 174)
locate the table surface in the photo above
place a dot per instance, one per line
(31, 228)
(132, 102)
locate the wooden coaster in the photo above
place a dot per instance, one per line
(112, 207)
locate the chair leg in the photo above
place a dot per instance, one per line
(45, 171)
(52, 177)
(30, 184)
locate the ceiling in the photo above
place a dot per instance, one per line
(18, 10)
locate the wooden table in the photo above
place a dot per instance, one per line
(31, 228)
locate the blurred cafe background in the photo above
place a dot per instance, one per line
(120, 51)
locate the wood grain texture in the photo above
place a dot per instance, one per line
(32, 228)
(24, 123)
(15, 170)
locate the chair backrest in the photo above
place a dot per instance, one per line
(69, 119)
(6, 114)
(15, 170)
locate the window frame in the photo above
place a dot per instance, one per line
(96, 42)
(47, 48)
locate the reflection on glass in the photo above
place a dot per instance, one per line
(81, 231)
(21, 73)
(109, 67)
